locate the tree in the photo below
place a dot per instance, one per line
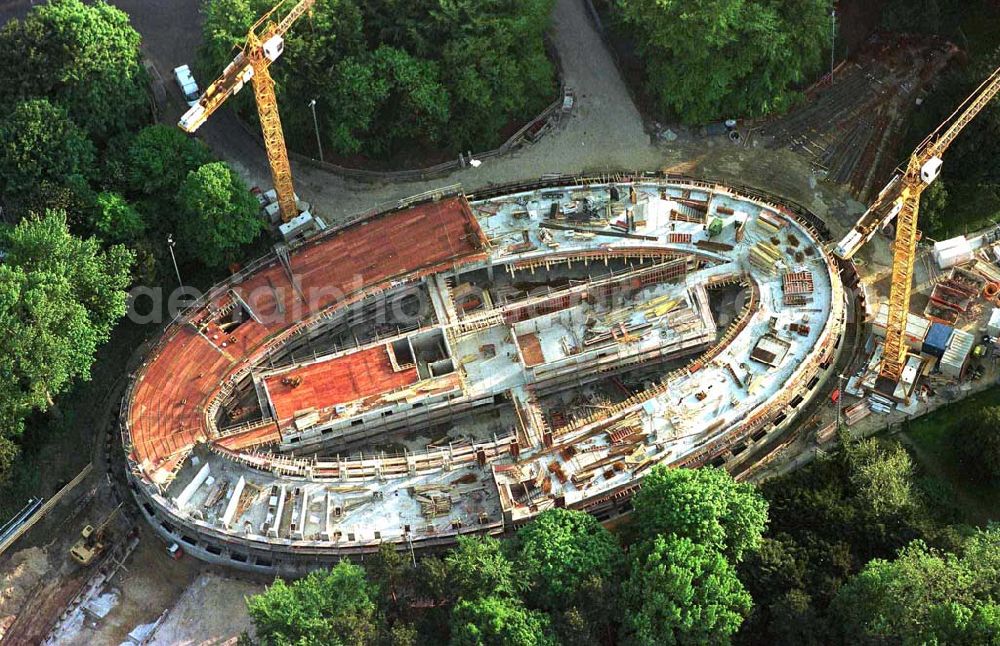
(681, 592)
(117, 220)
(219, 214)
(571, 562)
(924, 596)
(479, 567)
(498, 621)
(8, 455)
(40, 149)
(158, 160)
(712, 59)
(934, 206)
(83, 57)
(331, 607)
(391, 75)
(920, 16)
(883, 476)
(559, 550)
(495, 68)
(59, 298)
(979, 443)
(705, 505)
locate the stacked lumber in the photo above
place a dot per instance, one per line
(765, 256)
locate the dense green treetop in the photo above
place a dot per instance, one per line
(705, 505)
(332, 607)
(40, 145)
(715, 59)
(84, 57)
(559, 551)
(479, 566)
(117, 220)
(219, 214)
(158, 159)
(882, 476)
(59, 298)
(8, 455)
(388, 74)
(498, 621)
(924, 596)
(681, 592)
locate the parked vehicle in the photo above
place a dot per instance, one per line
(187, 84)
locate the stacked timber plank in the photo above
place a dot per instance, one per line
(765, 256)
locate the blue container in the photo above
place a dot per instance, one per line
(937, 340)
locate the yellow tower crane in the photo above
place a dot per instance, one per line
(901, 199)
(264, 44)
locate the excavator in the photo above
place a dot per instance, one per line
(93, 540)
(900, 199)
(264, 44)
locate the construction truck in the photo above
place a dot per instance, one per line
(93, 540)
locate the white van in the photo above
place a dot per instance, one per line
(186, 82)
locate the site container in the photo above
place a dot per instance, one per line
(937, 340)
(955, 357)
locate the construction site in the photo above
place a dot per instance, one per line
(458, 363)
(461, 363)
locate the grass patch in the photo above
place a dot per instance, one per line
(932, 439)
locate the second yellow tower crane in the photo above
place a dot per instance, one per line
(901, 199)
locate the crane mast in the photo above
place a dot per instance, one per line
(264, 44)
(922, 169)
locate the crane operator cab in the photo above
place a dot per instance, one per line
(273, 47)
(931, 169)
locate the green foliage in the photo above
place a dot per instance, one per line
(934, 207)
(705, 505)
(219, 214)
(59, 298)
(571, 563)
(559, 551)
(41, 149)
(158, 159)
(9, 452)
(681, 592)
(328, 607)
(882, 476)
(978, 443)
(117, 220)
(924, 596)
(972, 165)
(713, 59)
(498, 621)
(826, 521)
(83, 57)
(479, 567)
(389, 75)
